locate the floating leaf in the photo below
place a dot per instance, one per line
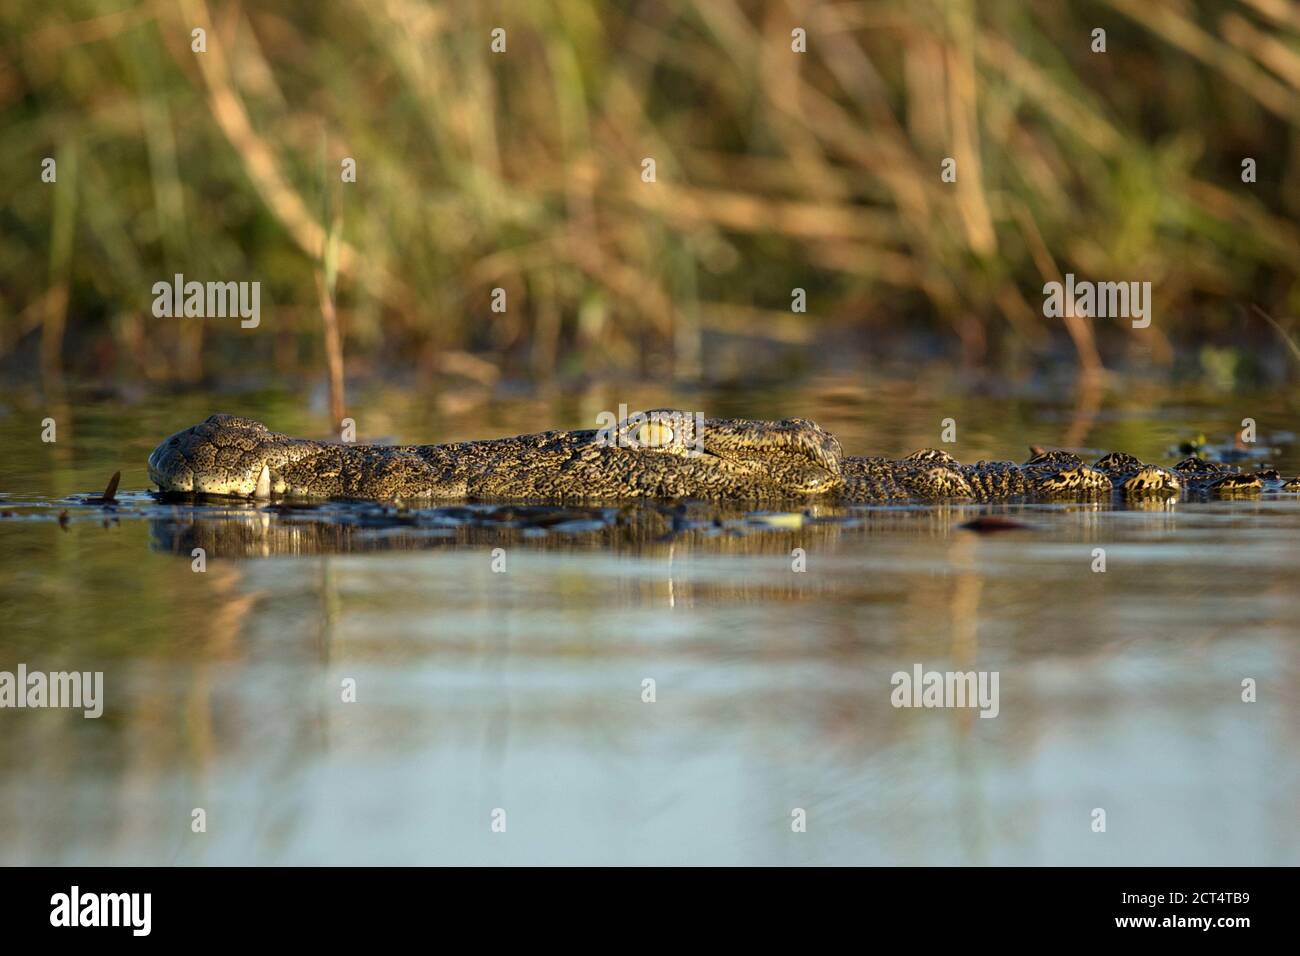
(110, 492)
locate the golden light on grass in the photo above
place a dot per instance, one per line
(776, 170)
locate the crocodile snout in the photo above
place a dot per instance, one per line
(223, 455)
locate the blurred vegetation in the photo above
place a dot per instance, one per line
(522, 170)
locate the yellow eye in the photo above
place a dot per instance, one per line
(654, 435)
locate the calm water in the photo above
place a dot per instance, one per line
(522, 690)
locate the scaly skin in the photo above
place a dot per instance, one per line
(740, 459)
(668, 457)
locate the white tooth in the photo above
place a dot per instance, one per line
(263, 484)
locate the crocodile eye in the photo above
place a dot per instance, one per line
(654, 435)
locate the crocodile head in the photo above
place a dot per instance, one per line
(663, 453)
(793, 456)
(225, 455)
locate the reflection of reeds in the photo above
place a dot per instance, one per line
(776, 170)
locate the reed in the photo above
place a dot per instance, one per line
(521, 170)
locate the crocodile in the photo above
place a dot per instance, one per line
(663, 453)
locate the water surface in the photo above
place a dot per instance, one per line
(522, 690)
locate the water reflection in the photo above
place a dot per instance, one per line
(521, 686)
